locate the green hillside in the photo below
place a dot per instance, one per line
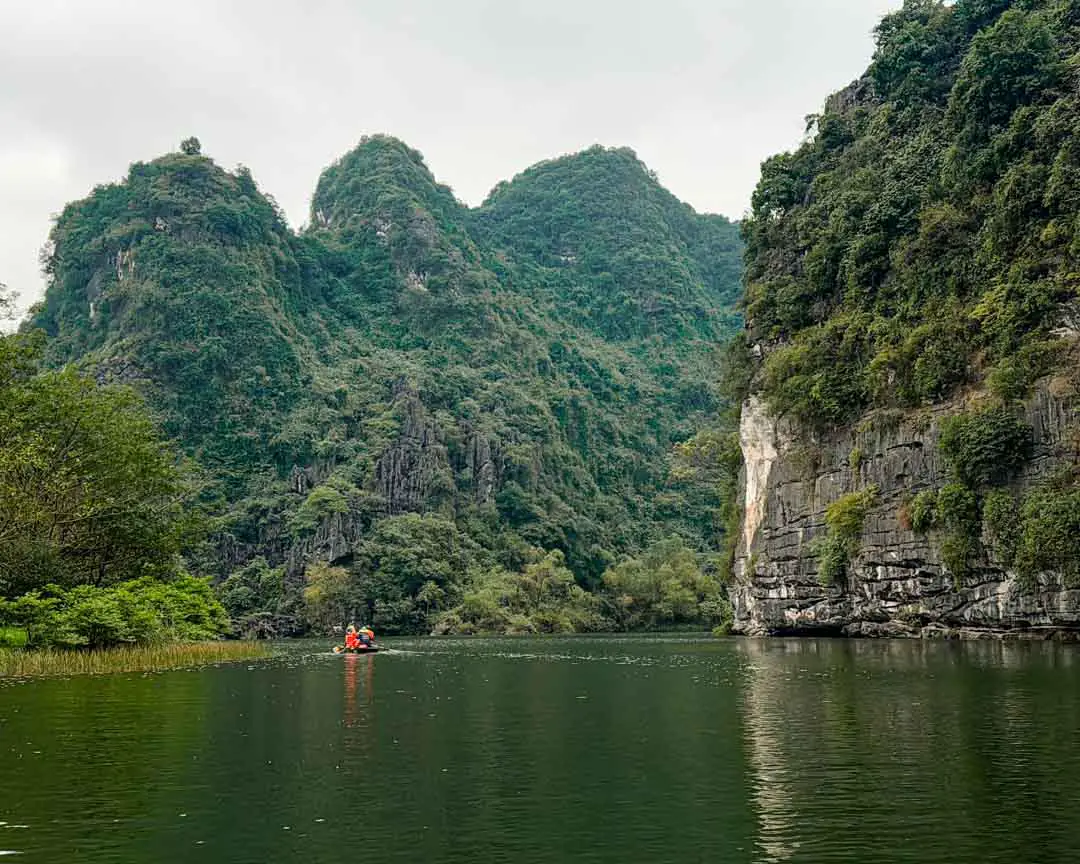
(926, 235)
(922, 248)
(433, 400)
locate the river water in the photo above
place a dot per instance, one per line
(556, 750)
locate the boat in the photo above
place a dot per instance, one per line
(363, 649)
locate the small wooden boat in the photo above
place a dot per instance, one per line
(363, 649)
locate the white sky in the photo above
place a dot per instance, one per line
(703, 90)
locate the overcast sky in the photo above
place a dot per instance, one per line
(703, 90)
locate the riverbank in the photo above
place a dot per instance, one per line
(18, 663)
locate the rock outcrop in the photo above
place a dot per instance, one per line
(897, 585)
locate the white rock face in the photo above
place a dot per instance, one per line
(758, 439)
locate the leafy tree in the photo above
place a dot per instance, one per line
(543, 598)
(327, 596)
(89, 493)
(665, 586)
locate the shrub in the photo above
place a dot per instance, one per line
(1013, 376)
(845, 516)
(844, 520)
(985, 446)
(1050, 532)
(958, 514)
(833, 555)
(855, 459)
(322, 502)
(923, 510)
(140, 612)
(1002, 518)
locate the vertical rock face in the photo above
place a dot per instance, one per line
(407, 474)
(759, 439)
(897, 584)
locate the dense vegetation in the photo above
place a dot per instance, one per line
(92, 515)
(924, 244)
(411, 408)
(925, 236)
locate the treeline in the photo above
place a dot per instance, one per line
(419, 574)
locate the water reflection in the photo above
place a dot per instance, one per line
(769, 775)
(910, 751)
(359, 697)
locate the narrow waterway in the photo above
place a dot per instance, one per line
(579, 749)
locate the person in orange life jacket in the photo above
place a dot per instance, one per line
(351, 641)
(366, 636)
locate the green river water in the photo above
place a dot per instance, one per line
(556, 750)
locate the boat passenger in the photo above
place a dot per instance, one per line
(351, 641)
(366, 635)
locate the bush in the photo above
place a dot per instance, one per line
(140, 612)
(923, 511)
(845, 516)
(1013, 376)
(985, 447)
(958, 515)
(844, 520)
(1051, 528)
(1002, 518)
(833, 555)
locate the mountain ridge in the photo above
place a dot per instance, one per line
(403, 355)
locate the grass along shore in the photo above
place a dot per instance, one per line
(21, 663)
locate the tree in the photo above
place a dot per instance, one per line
(327, 596)
(664, 586)
(89, 492)
(191, 146)
(7, 302)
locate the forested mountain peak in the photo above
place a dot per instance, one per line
(407, 376)
(631, 256)
(153, 277)
(378, 178)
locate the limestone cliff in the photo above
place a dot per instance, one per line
(897, 585)
(910, 363)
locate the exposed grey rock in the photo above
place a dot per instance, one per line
(407, 474)
(897, 585)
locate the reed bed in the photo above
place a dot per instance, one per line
(15, 663)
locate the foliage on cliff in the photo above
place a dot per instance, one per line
(925, 235)
(407, 389)
(924, 239)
